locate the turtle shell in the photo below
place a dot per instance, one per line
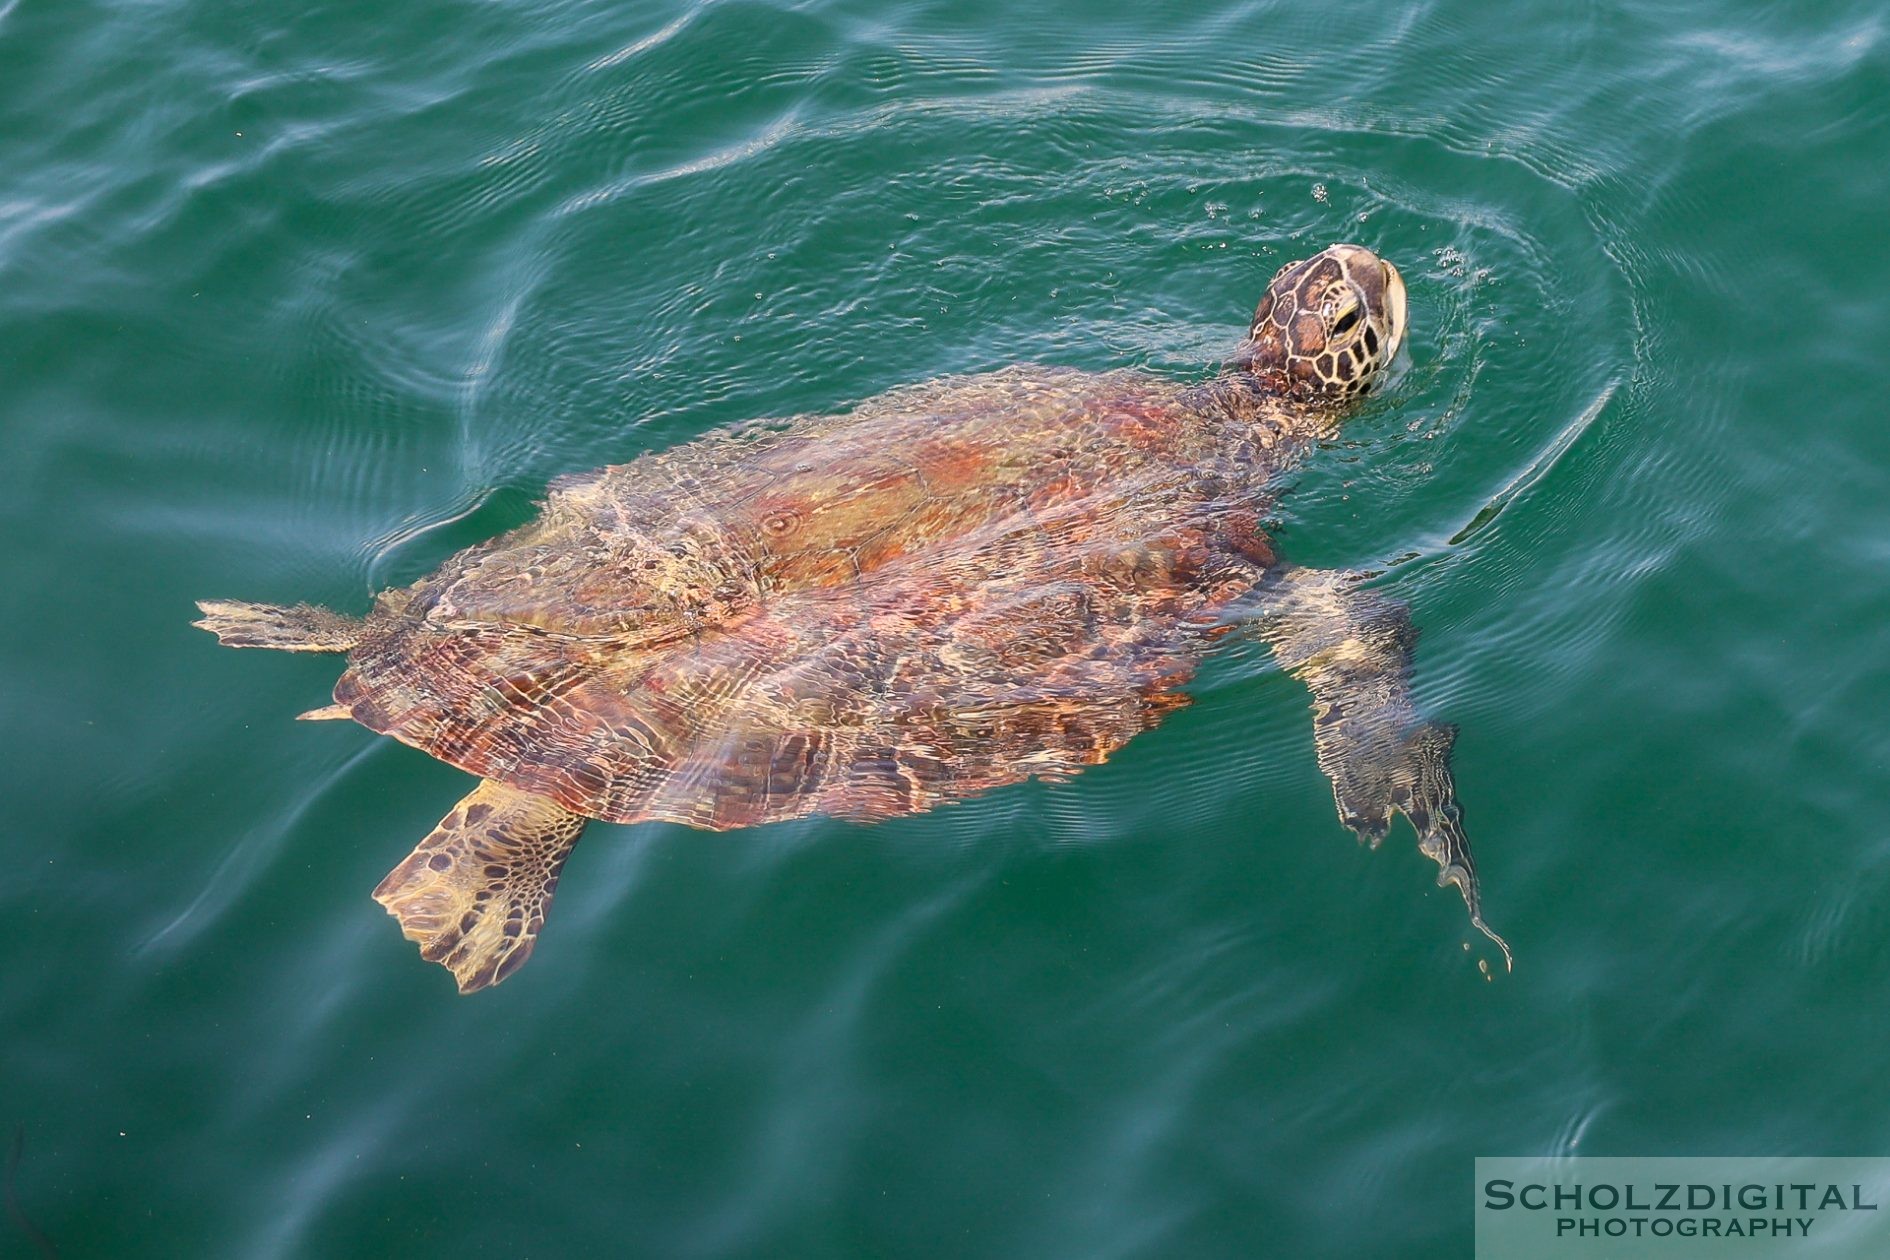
(952, 587)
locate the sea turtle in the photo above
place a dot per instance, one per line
(954, 586)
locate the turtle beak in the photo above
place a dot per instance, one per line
(1394, 309)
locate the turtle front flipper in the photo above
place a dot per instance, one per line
(473, 895)
(1352, 647)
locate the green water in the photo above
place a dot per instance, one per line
(297, 300)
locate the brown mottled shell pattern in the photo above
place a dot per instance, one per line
(956, 586)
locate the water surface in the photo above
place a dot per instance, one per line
(294, 305)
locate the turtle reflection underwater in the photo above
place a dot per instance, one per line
(956, 585)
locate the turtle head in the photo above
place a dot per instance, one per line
(1327, 326)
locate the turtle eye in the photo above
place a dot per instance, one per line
(1346, 322)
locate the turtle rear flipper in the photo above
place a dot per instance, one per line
(473, 895)
(1352, 647)
(301, 628)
